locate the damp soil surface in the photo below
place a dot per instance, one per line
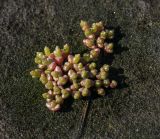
(132, 111)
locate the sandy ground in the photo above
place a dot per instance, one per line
(131, 112)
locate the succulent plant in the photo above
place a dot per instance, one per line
(75, 75)
(96, 36)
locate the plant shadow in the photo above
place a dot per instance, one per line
(118, 49)
(67, 106)
(116, 74)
